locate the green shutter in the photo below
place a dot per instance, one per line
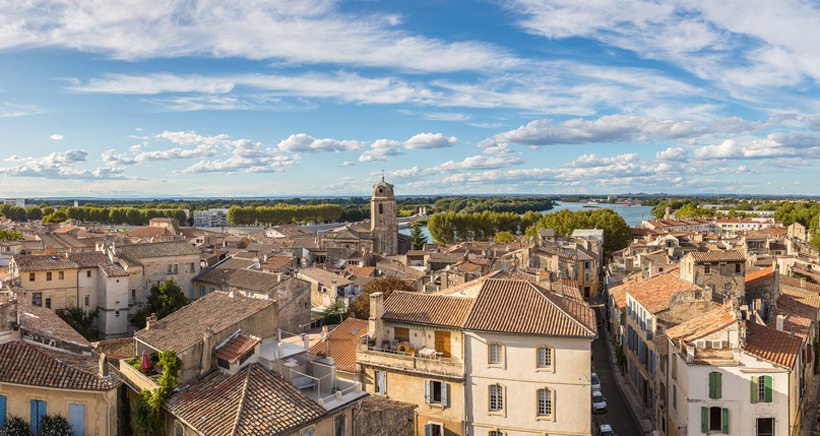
(704, 419)
(725, 421)
(767, 380)
(715, 388)
(753, 391)
(711, 385)
(718, 385)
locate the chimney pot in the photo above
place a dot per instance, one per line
(779, 322)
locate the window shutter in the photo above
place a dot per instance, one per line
(767, 380)
(427, 391)
(753, 391)
(428, 430)
(33, 419)
(725, 420)
(712, 385)
(2, 411)
(445, 394)
(718, 385)
(704, 419)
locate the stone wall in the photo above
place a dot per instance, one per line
(383, 417)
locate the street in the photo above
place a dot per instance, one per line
(618, 414)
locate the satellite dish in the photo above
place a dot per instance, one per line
(700, 281)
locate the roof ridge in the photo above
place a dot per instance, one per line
(560, 306)
(242, 399)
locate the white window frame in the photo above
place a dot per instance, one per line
(495, 390)
(550, 403)
(430, 426)
(497, 360)
(549, 358)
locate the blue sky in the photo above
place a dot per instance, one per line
(317, 97)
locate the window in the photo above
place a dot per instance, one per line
(737, 268)
(714, 419)
(495, 354)
(381, 209)
(674, 368)
(765, 426)
(674, 396)
(31, 277)
(201, 290)
(133, 294)
(76, 418)
(339, 425)
(401, 334)
(60, 275)
(88, 273)
(38, 412)
(761, 389)
(433, 429)
(495, 433)
(48, 303)
(192, 267)
(117, 313)
(37, 299)
(544, 398)
(496, 398)
(173, 268)
(87, 300)
(715, 385)
(308, 432)
(48, 276)
(436, 392)
(178, 430)
(544, 357)
(381, 382)
(707, 268)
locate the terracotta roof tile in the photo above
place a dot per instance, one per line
(237, 346)
(322, 276)
(26, 263)
(159, 249)
(414, 307)
(42, 321)
(517, 306)
(771, 345)
(654, 294)
(32, 365)
(186, 327)
(760, 276)
(362, 271)
(254, 401)
(718, 256)
(343, 341)
(703, 325)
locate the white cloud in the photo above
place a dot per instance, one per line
(11, 110)
(424, 141)
(59, 165)
(671, 154)
(381, 150)
(56, 137)
(304, 143)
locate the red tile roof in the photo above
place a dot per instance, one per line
(718, 256)
(254, 401)
(342, 342)
(32, 365)
(236, 347)
(654, 294)
(414, 307)
(760, 276)
(771, 345)
(704, 325)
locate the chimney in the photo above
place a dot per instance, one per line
(779, 322)
(150, 321)
(375, 323)
(103, 369)
(306, 341)
(207, 349)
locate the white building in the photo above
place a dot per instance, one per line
(211, 218)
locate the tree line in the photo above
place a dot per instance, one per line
(103, 215)
(514, 204)
(283, 214)
(449, 227)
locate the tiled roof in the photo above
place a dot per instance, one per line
(703, 325)
(252, 280)
(619, 294)
(343, 341)
(26, 263)
(760, 276)
(322, 276)
(254, 401)
(277, 262)
(362, 271)
(662, 345)
(159, 249)
(414, 307)
(718, 256)
(771, 345)
(186, 327)
(44, 322)
(97, 259)
(516, 306)
(798, 302)
(150, 232)
(32, 365)
(236, 347)
(654, 294)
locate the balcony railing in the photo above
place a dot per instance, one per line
(136, 377)
(392, 359)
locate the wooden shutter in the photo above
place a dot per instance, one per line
(704, 419)
(767, 380)
(715, 385)
(753, 391)
(725, 421)
(402, 334)
(443, 343)
(427, 389)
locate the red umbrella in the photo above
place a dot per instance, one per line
(145, 365)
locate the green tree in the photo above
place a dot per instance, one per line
(417, 237)
(34, 213)
(58, 216)
(386, 285)
(81, 321)
(47, 210)
(148, 411)
(334, 314)
(504, 237)
(8, 235)
(15, 426)
(163, 300)
(55, 425)
(617, 233)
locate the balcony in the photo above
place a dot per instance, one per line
(387, 358)
(136, 378)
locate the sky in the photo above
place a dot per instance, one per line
(236, 98)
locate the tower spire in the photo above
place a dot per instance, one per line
(382, 175)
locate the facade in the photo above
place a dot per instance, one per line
(722, 272)
(211, 218)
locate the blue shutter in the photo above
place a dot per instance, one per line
(2, 411)
(76, 419)
(38, 411)
(651, 362)
(428, 430)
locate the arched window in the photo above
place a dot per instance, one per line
(496, 402)
(544, 398)
(381, 208)
(544, 357)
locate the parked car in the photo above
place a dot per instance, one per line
(598, 402)
(606, 430)
(596, 382)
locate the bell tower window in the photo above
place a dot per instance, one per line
(381, 209)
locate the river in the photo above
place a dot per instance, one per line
(633, 215)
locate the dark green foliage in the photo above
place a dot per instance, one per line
(386, 285)
(617, 233)
(55, 425)
(34, 213)
(164, 299)
(504, 237)
(147, 417)
(58, 216)
(8, 235)
(516, 204)
(417, 238)
(81, 321)
(284, 214)
(15, 426)
(449, 227)
(333, 314)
